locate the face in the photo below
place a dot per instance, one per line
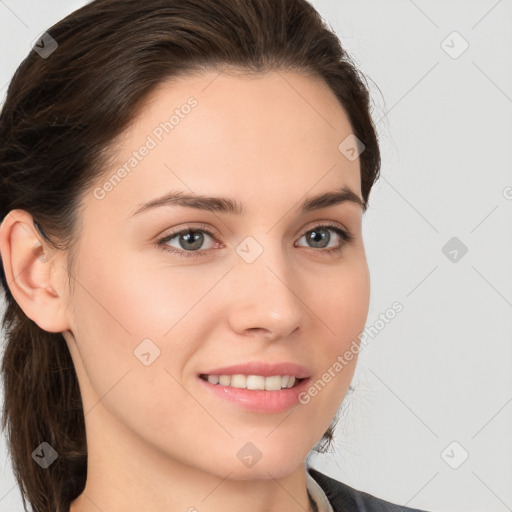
(170, 292)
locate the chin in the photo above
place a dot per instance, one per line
(261, 471)
(253, 461)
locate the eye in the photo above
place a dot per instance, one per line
(320, 236)
(188, 242)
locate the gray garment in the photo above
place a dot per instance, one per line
(342, 498)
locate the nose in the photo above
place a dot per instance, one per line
(266, 297)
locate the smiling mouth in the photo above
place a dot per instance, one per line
(253, 382)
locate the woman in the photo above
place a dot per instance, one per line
(183, 184)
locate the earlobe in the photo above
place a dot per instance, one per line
(31, 268)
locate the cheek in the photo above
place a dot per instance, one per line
(142, 297)
(342, 301)
(120, 304)
(121, 325)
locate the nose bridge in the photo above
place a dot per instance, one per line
(264, 261)
(267, 295)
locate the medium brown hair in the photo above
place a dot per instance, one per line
(61, 115)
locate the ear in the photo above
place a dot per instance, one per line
(33, 271)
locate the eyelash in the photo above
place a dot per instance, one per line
(345, 235)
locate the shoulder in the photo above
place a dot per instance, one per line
(344, 498)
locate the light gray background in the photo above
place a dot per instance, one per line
(441, 370)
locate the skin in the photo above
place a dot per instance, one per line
(156, 440)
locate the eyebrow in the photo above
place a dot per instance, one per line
(231, 206)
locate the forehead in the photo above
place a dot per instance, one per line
(214, 133)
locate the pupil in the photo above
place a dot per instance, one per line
(318, 236)
(193, 237)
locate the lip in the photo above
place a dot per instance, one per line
(258, 400)
(262, 368)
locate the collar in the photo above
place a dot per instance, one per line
(317, 496)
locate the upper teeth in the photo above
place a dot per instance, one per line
(273, 383)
